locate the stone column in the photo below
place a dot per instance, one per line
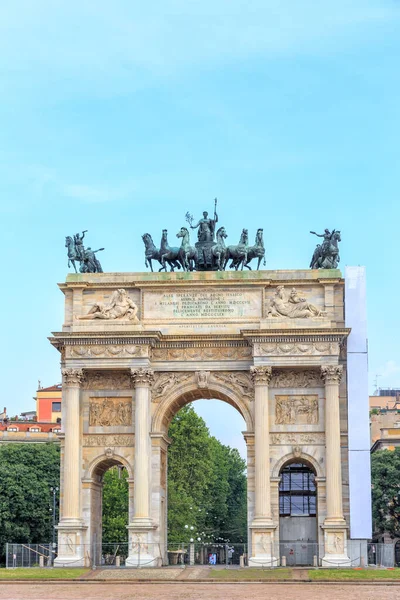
(335, 528)
(70, 528)
(158, 509)
(262, 526)
(71, 389)
(141, 547)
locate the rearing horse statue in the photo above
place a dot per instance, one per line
(153, 253)
(218, 251)
(168, 254)
(256, 251)
(187, 253)
(238, 254)
(72, 253)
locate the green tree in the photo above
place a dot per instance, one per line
(190, 470)
(386, 491)
(115, 505)
(206, 484)
(27, 472)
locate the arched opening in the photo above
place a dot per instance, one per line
(298, 512)
(207, 482)
(397, 553)
(110, 501)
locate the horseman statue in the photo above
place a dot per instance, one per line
(326, 255)
(86, 257)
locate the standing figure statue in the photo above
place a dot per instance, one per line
(326, 255)
(90, 263)
(206, 226)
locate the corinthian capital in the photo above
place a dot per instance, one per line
(332, 373)
(72, 377)
(142, 377)
(261, 375)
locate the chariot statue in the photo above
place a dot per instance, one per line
(210, 252)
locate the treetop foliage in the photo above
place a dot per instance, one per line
(386, 491)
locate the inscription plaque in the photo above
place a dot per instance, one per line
(198, 304)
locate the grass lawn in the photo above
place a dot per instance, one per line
(345, 574)
(41, 573)
(250, 574)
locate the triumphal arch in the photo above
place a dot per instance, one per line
(136, 347)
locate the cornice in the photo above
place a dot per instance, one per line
(267, 278)
(296, 335)
(155, 339)
(112, 337)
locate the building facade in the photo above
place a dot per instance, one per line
(279, 346)
(48, 404)
(385, 420)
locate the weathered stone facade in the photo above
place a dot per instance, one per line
(203, 335)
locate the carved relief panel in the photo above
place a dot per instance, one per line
(296, 409)
(296, 379)
(202, 353)
(107, 351)
(108, 440)
(107, 380)
(109, 412)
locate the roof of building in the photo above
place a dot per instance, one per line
(53, 388)
(27, 425)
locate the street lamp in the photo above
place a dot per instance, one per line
(54, 491)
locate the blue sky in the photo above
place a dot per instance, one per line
(118, 117)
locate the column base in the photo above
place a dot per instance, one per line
(336, 560)
(263, 547)
(71, 549)
(143, 552)
(335, 542)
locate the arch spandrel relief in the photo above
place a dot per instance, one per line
(171, 391)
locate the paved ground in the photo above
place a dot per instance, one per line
(192, 591)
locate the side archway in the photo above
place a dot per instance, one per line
(302, 457)
(92, 498)
(298, 508)
(103, 462)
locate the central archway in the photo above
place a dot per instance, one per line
(173, 402)
(163, 413)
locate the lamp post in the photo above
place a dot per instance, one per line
(54, 491)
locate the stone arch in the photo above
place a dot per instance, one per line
(185, 394)
(302, 457)
(103, 462)
(93, 497)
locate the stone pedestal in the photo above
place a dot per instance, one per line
(262, 527)
(71, 527)
(335, 527)
(142, 551)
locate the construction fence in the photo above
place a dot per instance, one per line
(117, 555)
